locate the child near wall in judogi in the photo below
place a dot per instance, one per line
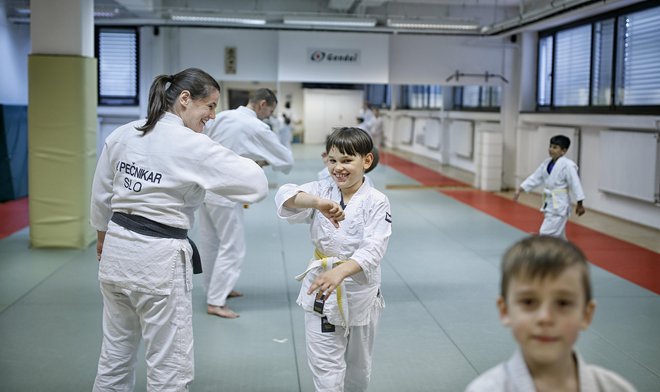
(559, 178)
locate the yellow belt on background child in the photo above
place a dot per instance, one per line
(555, 194)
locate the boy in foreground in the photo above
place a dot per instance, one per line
(546, 301)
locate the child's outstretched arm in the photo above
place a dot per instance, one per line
(330, 209)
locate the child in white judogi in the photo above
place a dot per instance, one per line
(350, 225)
(559, 177)
(546, 300)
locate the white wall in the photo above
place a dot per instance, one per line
(416, 59)
(295, 65)
(205, 48)
(15, 47)
(327, 109)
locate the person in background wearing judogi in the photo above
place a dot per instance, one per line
(222, 230)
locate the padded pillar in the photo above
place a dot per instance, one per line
(61, 149)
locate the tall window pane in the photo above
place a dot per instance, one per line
(471, 96)
(602, 62)
(572, 64)
(118, 66)
(545, 71)
(638, 79)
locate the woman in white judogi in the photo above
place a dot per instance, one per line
(222, 232)
(149, 180)
(346, 270)
(559, 178)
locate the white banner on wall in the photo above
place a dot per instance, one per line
(333, 56)
(329, 57)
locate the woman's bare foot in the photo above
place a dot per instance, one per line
(234, 293)
(221, 311)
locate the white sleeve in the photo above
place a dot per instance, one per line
(574, 184)
(269, 148)
(295, 215)
(100, 210)
(225, 173)
(372, 249)
(535, 179)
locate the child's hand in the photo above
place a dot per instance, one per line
(516, 195)
(331, 210)
(579, 210)
(326, 283)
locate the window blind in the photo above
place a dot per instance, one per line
(118, 66)
(572, 66)
(639, 78)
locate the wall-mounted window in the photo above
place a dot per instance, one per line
(483, 98)
(378, 95)
(419, 96)
(118, 62)
(607, 63)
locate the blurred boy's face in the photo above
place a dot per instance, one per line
(546, 316)
(347, 170)
(556, 151)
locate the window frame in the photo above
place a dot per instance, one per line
(458, 98)
(590, 108)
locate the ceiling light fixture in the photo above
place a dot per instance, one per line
(330, 22)
(431, 25)
(217, 19)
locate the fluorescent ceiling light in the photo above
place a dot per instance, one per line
(217, 19)
(431, 25)
(332, 22)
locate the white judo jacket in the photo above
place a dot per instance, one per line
(362, 236)
(242, 132)
(556, 185)
(513, 376)
(162, 175)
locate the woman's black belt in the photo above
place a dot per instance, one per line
(148, 227)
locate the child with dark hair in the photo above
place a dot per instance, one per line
(559, 177)
(546, 300)
(350, 226)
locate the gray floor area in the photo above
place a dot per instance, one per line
(438, 331)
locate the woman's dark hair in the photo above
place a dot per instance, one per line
(199, 83)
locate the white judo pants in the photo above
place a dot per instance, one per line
(164, 322)
(553, 225)
(222, 249)
(340, 363)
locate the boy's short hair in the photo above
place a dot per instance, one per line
(539, 257)
(350, 141)
(561, 141)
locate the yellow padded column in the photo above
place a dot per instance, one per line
(62, 126)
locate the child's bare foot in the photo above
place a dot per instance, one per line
(222, 311)
(234, 293)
